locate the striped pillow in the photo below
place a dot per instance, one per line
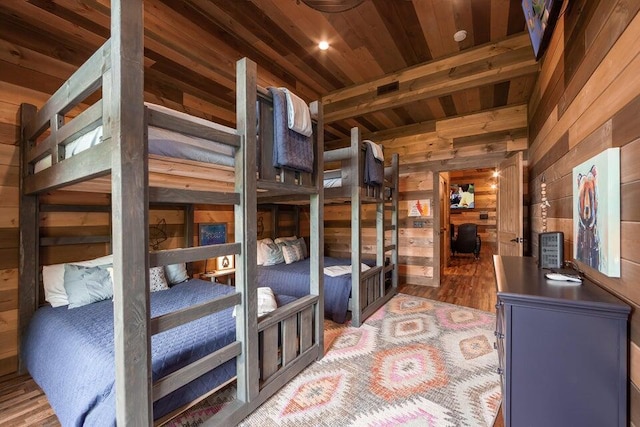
(292, 252)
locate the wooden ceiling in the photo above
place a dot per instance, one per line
(191, 47)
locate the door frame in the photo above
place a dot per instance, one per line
(489, 161)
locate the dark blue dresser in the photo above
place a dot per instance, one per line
(562, 349)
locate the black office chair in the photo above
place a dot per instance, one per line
(467, 241)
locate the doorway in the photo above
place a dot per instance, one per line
(498, 216)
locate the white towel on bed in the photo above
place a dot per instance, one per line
(298, 116)
(339, 270)
(377, 150)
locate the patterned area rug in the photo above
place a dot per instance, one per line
(415, 362)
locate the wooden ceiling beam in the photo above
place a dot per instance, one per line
(487, 64)
(513, 117)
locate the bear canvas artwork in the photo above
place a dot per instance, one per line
(596, 212)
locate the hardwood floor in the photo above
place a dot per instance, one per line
(22, 403)
(465, 282)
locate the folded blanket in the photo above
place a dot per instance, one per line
(373, 168)
(377, 149)
(291, 150)
(298, 116)
(339, 270)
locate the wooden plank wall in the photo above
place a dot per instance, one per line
(11, 95)
(415, 255)
(337, 231)
(586, 100)
(485, 201)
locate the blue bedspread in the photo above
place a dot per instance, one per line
(70, 354)
(293, 279)
(290, 149)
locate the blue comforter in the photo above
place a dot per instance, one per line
(293, 279)
(70, 354)
(373, 168)
(290, 149)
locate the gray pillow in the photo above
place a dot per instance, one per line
(273, 254)
(85, 285)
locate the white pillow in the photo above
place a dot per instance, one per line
(176, 273)
(262, 250)
(285, 239)
(53, 279)
(266, 301)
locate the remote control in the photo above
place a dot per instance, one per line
(563, 277)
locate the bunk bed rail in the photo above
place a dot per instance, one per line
(84, 82)
(293, 325)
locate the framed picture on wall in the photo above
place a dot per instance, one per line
(212, 233)
(596, 212)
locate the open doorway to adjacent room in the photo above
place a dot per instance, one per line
(468, 220)
(482, 198)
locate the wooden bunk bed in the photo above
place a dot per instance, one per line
(266, 352)
(376, 285)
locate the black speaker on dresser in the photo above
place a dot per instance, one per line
(551, 249)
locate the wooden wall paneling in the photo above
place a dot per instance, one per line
(634, 364)
(607, 21)
(8, 341)
(611, 86)
(625, 128)
(552, 60)
(32, 60)
(415, 245)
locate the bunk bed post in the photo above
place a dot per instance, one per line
(395, 191)
(380, 247)
(296, 221)
(246, 231)
(189, 225)
(316, 236)
(29, 278)
(123, 99)
(356, 226)
(275, 223)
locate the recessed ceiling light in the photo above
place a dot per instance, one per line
(323, 45)
(460, 35)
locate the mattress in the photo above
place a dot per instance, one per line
(162, 142)
(332, 182)
(293, 279)
(332, 178)
(70, 354)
